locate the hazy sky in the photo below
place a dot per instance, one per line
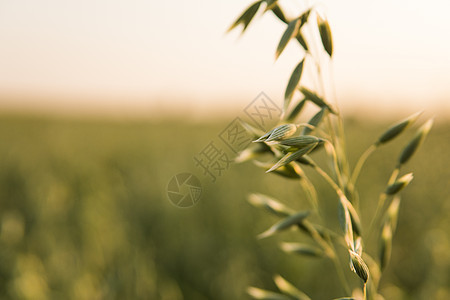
(151, 55)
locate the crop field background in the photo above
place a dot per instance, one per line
(84, 214)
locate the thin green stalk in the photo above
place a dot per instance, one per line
(362, 159)
(382, 200)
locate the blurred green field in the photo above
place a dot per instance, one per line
(84, 215)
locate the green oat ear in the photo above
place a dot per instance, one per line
(293, 155)
(293, 82)
(415, 142)
(325, 34)
(397, 128)
(358, 266)
(314, 121)
(288, 34)
(399, 184)
(278, 133)
(246, 17)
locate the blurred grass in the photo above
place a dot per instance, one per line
(84, 215)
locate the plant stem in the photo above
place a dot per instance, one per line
(362, 159)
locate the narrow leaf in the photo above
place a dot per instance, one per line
(289, 289)
(285, 224)
(293, 82)
(325, 35)
(246, 17)
(290, 32)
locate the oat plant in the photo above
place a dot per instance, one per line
(294, 145)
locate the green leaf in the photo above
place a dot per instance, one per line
(246, 17)
(325, 35)
(270, 204)
(291, 156)
(284, 224)
(289, 289)
(261, 294)
(302, 249)
(291, 31)
(397, 128)
(293, 82)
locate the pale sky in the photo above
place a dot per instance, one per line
(148, 55)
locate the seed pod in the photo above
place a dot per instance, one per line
(285, 224)
(415, 142)
(358, 266)
(270, 204)
(302, 249)
(399, 184)
(385, 245)
(397, 128)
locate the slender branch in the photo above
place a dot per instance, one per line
(362, 159)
